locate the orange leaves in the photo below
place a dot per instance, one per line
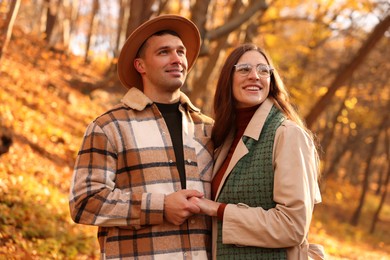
(35, 174)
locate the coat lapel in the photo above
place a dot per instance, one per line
(253, 131)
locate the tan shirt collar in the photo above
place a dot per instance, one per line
(136, 99)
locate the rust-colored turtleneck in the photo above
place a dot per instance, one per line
(243, 116)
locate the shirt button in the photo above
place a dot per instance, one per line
(185, 253)
(192, 221)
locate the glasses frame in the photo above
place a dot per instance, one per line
(269, 68)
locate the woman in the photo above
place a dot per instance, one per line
(266, 169)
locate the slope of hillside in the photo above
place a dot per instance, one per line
(43, 108)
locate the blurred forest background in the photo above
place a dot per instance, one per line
(58, 72)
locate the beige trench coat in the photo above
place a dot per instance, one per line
(295, 192)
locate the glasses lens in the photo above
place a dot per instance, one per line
(243, 69)
(262, 70)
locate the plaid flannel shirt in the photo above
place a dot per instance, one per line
(124, 169)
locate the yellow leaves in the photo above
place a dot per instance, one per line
(322, 90)
(339, 196)
(351, 102)
(303, 49)
(331, 229)
(273, 13)
(272, 40)
(36, 104)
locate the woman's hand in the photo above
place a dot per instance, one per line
(208, 207)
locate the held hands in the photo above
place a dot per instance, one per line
(208, 207)
(178, 206)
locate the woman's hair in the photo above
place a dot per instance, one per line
(224, 102)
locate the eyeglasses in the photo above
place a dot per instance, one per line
(262, 70)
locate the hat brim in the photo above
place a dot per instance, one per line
(187, 31)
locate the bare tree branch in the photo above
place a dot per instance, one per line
(347, 71)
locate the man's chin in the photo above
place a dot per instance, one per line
(178, 83)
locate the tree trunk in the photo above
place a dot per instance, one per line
(347, 71)
(51, 18)
(201, 81)
(139, 13)
(70, 14)
(5, 138)
(92, 23)
(338, 155)
(74, 15)
(121, 17)
(329, 135)
(198, 17)
(355, 218)
(385, 185)
(381, 179)
(8, 26)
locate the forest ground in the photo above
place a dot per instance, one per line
(46, 102)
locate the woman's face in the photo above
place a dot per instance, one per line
(251, 89)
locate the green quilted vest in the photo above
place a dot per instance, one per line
(251, 182)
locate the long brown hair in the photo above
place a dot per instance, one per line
(224, 102)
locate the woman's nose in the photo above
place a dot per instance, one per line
(253, 74)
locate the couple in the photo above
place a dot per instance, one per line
(146, 175)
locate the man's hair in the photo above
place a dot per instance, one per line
(141, 49)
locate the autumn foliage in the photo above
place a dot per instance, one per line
(42, 107)
(47, 98)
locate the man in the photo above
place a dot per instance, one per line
(141, 162)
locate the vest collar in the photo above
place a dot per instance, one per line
(256, 124)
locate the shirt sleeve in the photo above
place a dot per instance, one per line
(94, 199)
(295, 193)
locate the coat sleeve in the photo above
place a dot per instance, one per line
(94, 199)
(295, 193)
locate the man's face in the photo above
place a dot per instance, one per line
(163, 64)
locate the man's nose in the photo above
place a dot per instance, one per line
(176, 58)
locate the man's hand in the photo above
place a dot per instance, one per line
(177, 207)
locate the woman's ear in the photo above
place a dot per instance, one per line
(139, 66)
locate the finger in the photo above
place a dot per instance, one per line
(193, 208)
(194, 200)
(192, 193)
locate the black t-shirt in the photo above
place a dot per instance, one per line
(173, 119)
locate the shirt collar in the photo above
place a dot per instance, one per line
(136, 99)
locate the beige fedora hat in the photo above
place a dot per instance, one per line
(187, 31)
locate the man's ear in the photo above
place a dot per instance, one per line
(139, 65)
